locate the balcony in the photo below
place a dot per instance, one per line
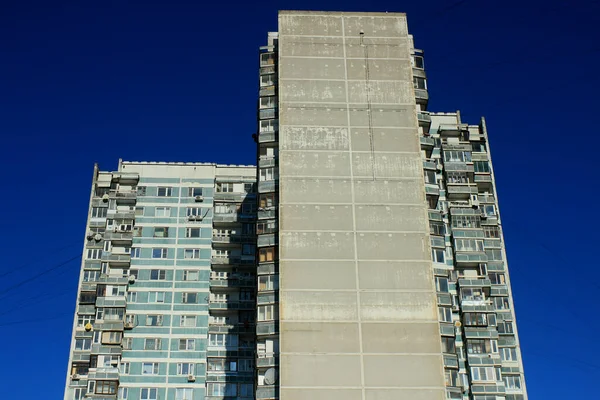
(430, 164)
(267, 214)
(422, 96)
(231, 282)
(267, 113)
(231, 305)
(115, 258)
(474, 283)
(263, 362)
(226, 196)
(470, 258)
(232, 239)
(458, 166)
(427, 141)
(123, 214)
(267, 91)
(266, 240)
(240, 328)
(128, 195)
(460, 191)
(266, 392)
(267, 186)
(264, 137)
(432, 189)
(424, 120)
(229, 217)
(267, 328)
(267, 162)
(117, 301)
(126, 178)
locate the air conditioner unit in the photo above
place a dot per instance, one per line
(97, 237)
(484, 216)
(191, 378)
(105, 198)
(199, 199)
(114, 362)
(75, 376)
(128, 325)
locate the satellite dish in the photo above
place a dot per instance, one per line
(105, 198)
(458, 324)
(88, 327)
(98, 237)
(270, 376)
(131, 278)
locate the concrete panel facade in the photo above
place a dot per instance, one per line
(358, 311)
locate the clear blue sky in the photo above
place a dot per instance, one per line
(88, 81)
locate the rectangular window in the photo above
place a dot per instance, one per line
(512, 383)
(185, 369)
(124, 368)
(267, 80)
(222, 340)
(191, 253)
(268, 282)
(501, 303)
(268, 125)
(494, 254)
(106, 387)
(149, 368)
(468, 244)
(152, 344)
(189, 275)
(194, 191)
(466, 221)
(484, 374)
(221, 389)
(497, 278)
(149, 394)
(268, 102)
(268, 226)
(127, 343)
(267, 200)
(83, 344)
(445, 314)
(268, 174)
(99, 212)
(475, 319)
(187, 344)
(94, 254)
(190, 298)
(164, 191)
(441, 284)
(268, 313)
(481, 166)
(163, 212)
(161, 232)
(505, 327)
(156, 297)
(438, 255)
(419, 82)
(158, 274)
(137, 231)
(136, 252)
(192, 232)
(448, 344)
(141, 190)
(159, 253)
(266, 254)
(508, 354)
(194, 211)
(225, 187)
(430, 177)
(184, 393)
(437, 228)
(187, 321)
(457, 156)
(154, 320)
(139, 211)
(122, 395)
(457, 177)
(472, 294)
(451, 379)
(111, 337)
(492, 232)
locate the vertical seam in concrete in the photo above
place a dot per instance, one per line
(360, 342)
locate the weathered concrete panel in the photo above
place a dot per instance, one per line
(385, 70)
(302, 190)
(312, 25)
(317, 245)
(321, 394)
(318, 306)
(412, 394)
(315, 164)
(398, 306)
(387, 165)
(316, 275)
(313, 138)
(313, 91)
(390, 192)
(319, 68)
(316, 217)
(393, 246)
(320, 370)
(387, 275)
(299, 46)
(386, 27)
(312, 115)
(377, 48)
(417, 370)
(320, 337)
(380, 92)
(385, 116)
(401, 338)
(390, 218)
(384, 139)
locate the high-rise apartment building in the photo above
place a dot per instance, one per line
(367, 262)
(381, 265)
(166, 301)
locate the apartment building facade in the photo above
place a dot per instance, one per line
(166, 300)
(381, 262)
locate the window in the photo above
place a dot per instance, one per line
(492, 232)
(164, 191)
(191, 253)
(457, 156)
(437, 228)
(149, 394)
(124, 368)
(441, 284)
(268, 226)
(457, 177)
(448, 344)
(266, 254)
(136, 252)
(268, 125)
(162, 212)
(512, 383)
(99, 212)
(152, 344)
(419, 83)
(475, 319)
(451, 379)
(87, 298)
(220, 253)
(417, 62)
(159, 253)
(224, 208)
(497, 278)
(184, 394)
(472, 294)
(106, 387)
(161, 232)
(185, 368)
(141, 190)
(156, 297)
(508, 354)
(194, 191)
(267, 313)
(195, 211)
(445, 314)
(89, 276)
(187, 321)
(268, 282)
(505, 327)
(267, 59)
(190, 298)
(478, 147)
(110, 314)
(247, 229)
(149, 368)
(158, 274)
(268, 174)
(438, 255)
(468, 244)
(154, 320)
(466, 221)
(481, 346)
(187, 344)
(221, 340)
(267, 80)
(501, 303)
(94, 254)
(111, 337)
(101, 191)
(122, 395)
(192, 232)
(481, 166)
(139, 211)
(221, 389)
(137, 231)
(127, 343)
(224, 187)
(267, 200)
(189, 275)
(485, 374)
(249, 187)
(268, 102)
(82, 320)
(494, 255)
(430, 177)
(248, 250)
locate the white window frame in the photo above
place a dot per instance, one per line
(163, 252)
(166, 191)
(191, 275)
(189, 231)
(148, 394)
(186, 368)
(150, 368)
(158, 318)
(162, 212)
(191, 254)
(187, 344)
(188, 321)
